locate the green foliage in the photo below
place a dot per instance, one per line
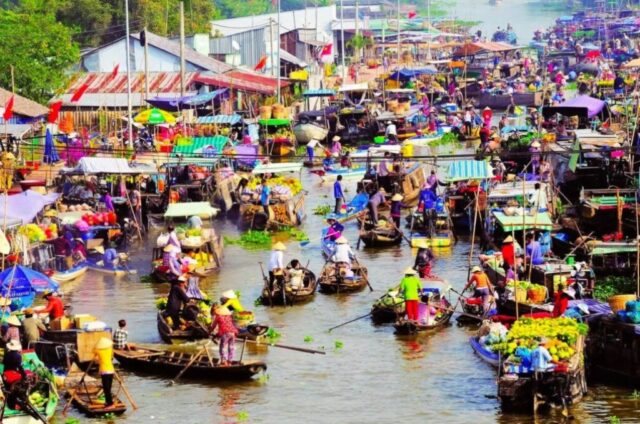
(614, 420)
(322, 210)
(272, 335)
(613, 285)
(252, 239)
(40, 50)
(230, 8)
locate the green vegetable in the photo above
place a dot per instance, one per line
(338, 344)
(322, 209)
(613, 285)
(252, 239)
(272, 335)
(308, 339)
(242, 416)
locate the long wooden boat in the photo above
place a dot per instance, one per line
(483, 353)
(508, 307)
(356, 206)
(198, 332)
(290, 296)
(406, 327)
(70, 274)
(162, 362)
(331, 279)
(87, 401)
(381, 237)
(388, 307)
(98, 265)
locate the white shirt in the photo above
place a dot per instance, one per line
(313, 143)
(297, 278)
(276, 260)
(391, 130)
(539, 199)
(343, 253)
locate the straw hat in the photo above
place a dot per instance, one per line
(99, 249)
(410, 271)
(229, 294)
(50, 213)
(336, 138)
(476, 269)
(28, 311)
(382, 190)
(4, 301)
(535, 144)
(14, 345)
(342, 240)
(221, 310)
(13, 320)
(183, 277)
(279, 246)
(509, 239)
(397, 197)
(79, 239)
(104, 343)
(47, 293)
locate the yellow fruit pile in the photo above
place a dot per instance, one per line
(293, 184)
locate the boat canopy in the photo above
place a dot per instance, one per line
(469, 170)
(593, 105)
(26, 205)
(205, 146)
(539, 221)
(220, 119)
(275, 168)
(363, 86)
(319, 92)
(201, 209)
(105, 165)
(602, 248)
(407, 74)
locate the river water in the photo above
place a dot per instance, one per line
(375, 376)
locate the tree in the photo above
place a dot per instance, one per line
(90, 19)
(41, 51)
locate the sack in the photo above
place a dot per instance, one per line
(162, 240)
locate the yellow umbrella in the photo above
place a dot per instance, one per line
(154, 116)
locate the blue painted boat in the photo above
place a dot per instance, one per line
(328, 246)
(96, 263)
(354, 207)
(71, 273)
(486, 355)
(347, 173)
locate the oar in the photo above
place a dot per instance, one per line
(193, 359)
(400, 231)
(365, 276)
(281, 346)
(266, 283)
(126, 391)
(350, 321)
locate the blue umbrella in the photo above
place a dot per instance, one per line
(26, 284)
(50, 152)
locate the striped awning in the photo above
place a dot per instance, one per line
(319, 92)
(202, 146)
(220, 119)
(540, 221)
(469, 170)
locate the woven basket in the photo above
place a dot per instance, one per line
(537, 296)
(265, 112)
(619, 302)
(520, 295)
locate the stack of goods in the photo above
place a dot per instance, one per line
(631, 313)
(562, 336)
(527, 292)
(492, 335)
(34, 233)
(280, 186)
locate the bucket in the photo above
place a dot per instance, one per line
(571, 260)
(379, 139)
(619, 302)
(265, 112)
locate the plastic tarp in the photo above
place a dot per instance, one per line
(246, 154)
(275, 168)
(100, 165)
(593, 105)
(540, 221)
(26, 205)
(319, 92)
(469, 170)
(201, 145)
(220, 119)
(22, 284)
(407, 74)
(201, 209)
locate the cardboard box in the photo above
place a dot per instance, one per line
(82, 319)
(59, 324)
(86, 341)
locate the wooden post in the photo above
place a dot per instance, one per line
(182, 64)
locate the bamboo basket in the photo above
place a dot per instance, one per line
(619, 302)
(265, 112)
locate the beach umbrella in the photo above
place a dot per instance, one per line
(22, 284)
(154, 116)
(50, 152)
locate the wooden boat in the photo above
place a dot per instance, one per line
(388, 307)
(405, 327)
(197, 331)
(356, 206)
(162, 362)
(473, 312)
(381, 236)
(328, 246)
(96, 264)
(502, 101)
(332, 279)
(304, 132)
(441, 236)
(530, 390)
(87, 400)
(290, 296)
(70, 274)
(56, 346)
(483, 353)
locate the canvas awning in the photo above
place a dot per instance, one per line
(593, 105)
(363, 86)
(201, 209)
(200, 144)
(104, 165)
(469, 170)
(220, 119)
(275, 168)
(26, 205)
(539, 221)
(603, 248)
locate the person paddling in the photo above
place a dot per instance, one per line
(227, 332)
(483, 288)
(410, 287)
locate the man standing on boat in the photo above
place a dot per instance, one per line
(391, 133)
(104, 356)
(276, 264)
(374, 202)
(265, 194)
(311, 146)
(410, 288)
(338, 195)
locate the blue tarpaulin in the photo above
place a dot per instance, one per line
(407, 74)
(22, 284)
(50, 152)
(469, 170)
(220, 119)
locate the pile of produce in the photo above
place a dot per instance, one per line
(535, 293)
(100, 218)
(74, 208)
(631, 314)
(613, 285)
(32, 232)
(291, 184)
(37, 399)
(525, 335)
(322, 210)
(252, 239)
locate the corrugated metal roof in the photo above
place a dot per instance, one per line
(22, 105)
(220, 119)
(103, 82)
(244, 81)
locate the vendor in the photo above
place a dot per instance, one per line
(194, 222)
(54, 307)
(229, 299)
(483, 288)
(335, 228)
(296, 275)
(176, 300)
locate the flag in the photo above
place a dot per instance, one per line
(78, 94)
(8, 109)
(261, 63)
(54, 111)
(114, 73)
(412, 14)
(326, 55)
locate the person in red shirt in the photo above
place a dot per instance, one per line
(508, 251)
(227, 331)
(55, 307)
(561, 301)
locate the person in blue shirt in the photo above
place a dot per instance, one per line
(533, 250)
(540, 357)
(427, 203)
(338, 195)
(265, 194)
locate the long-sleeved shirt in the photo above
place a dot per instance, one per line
(32, 328)
(343, 253)
(177, 297)
(337, 190)
(383, 168)
(424, 257)
(377, 199)
(276, 261)
(54, 307)
(534, 253)
(410, 287)
(540, 358)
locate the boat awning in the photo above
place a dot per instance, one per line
(204, 98)
(363, 86)
(104, 165)
(593, 105)
(469, 170)
(26, 205)
(220, 119)
(594, 139)
(16, 130)
(540, 221)
(201, 209)
(276, 168)
(175, 103)
(226, 81)
(508, 191)
(601, 248)
(407, 74)
(319, 92)
(199, 161)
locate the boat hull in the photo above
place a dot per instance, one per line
(71, 274)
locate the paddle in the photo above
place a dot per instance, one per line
(281, 346)
(400, 231)
(266, 282)
(364, 274)
(126, 391)
(194, 359)
(350, 321)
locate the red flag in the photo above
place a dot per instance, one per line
(261, 64)
(8, 109)
(326, 50)
(78, 94)
(54, 111)
(412, 14)
(114, 73)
